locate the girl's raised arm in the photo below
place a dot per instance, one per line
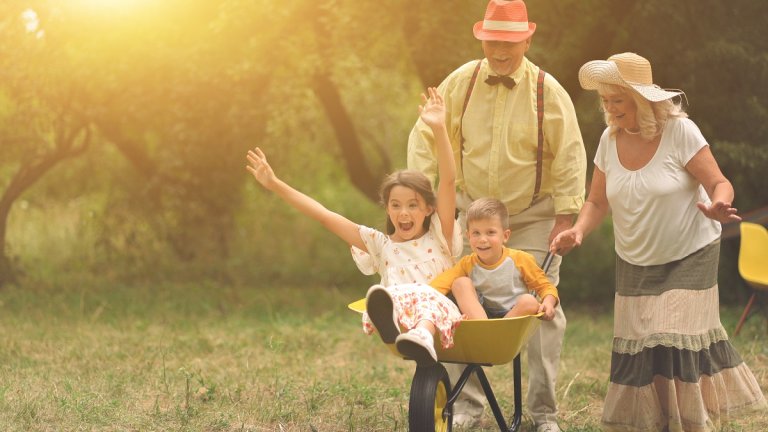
(334, 222)
(433, 114)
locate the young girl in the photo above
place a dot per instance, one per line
(421, 240)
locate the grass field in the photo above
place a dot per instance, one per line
(216, 358)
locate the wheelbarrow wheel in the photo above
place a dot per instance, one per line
(429, 395)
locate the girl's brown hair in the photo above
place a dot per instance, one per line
(413, 180)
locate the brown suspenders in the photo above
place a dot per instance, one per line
(463, 109)
(539, 124)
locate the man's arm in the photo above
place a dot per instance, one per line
(569, 165)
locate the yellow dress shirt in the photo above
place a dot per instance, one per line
(501, 139)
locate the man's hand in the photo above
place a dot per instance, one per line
(565, 241)
(562, 223)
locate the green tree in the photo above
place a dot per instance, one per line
(171, 94)
(42, 121)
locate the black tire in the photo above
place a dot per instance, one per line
(430, 389)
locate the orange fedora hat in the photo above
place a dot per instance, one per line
(505, 21)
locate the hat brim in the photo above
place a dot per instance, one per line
(597, 72)
(502, 35)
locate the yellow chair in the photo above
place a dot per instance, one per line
(753, 262)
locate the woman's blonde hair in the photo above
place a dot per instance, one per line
(414, 180)
(651, 116)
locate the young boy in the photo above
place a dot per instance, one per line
(494, 281)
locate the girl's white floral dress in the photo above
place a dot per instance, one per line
(406, 268)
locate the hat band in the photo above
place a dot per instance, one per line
(515, 26)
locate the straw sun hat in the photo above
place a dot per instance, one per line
(627, 70)
(505, 21)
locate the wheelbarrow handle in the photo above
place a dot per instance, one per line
(547, 261)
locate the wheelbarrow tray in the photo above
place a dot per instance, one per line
(481, 341)
(477, 343)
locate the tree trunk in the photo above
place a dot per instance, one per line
(328, 94)
(7, 272)
(28, 174)
(349, 142)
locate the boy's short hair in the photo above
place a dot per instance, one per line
(486, 208)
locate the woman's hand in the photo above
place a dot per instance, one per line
(719, 211)
(565, 241)
(433, 111)
(259, 167)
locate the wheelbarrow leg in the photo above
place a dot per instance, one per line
(517, 375)
(518, 415)
(478, 370)
(492, 400)
(459, 385)
(489, 395)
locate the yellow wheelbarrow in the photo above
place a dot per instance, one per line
(477, 343)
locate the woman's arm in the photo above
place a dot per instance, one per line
(433, 114)
(594, 211)
(334, 222)
(704, 168)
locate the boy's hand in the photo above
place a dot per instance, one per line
(433, 111)
(548, 308)
(259, 167)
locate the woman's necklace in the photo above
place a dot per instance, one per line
(637, 132)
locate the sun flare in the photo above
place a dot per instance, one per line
(113, 5)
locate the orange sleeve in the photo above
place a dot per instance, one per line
(445, 279)
(534, 277)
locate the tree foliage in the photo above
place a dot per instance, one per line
(164, 98)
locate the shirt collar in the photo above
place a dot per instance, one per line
(518, 75)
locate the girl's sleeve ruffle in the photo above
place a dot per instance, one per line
(368, 262)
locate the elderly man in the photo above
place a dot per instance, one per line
(515, 137)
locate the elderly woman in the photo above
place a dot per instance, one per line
(673, 367)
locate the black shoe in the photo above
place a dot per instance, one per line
(381, 311)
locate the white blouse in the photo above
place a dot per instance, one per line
(655, 218)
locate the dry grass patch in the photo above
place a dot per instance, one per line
(212, 358)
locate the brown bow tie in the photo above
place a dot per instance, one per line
(496, 79)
